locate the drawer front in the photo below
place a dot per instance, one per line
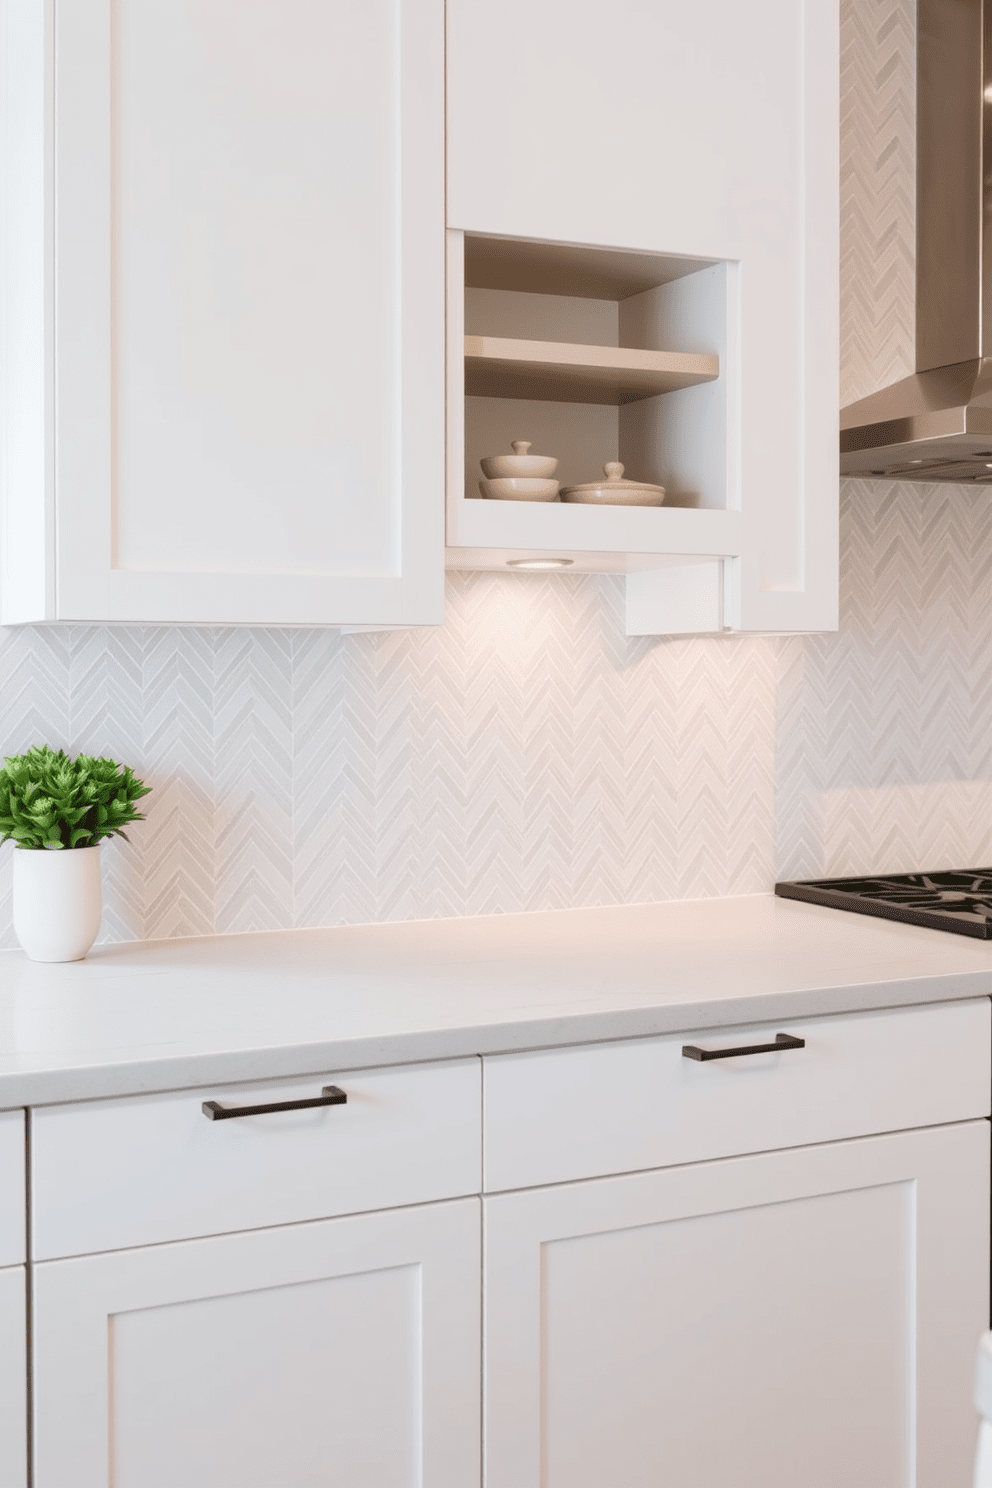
(12, 1215)
(110, 1174)
(615, 1108)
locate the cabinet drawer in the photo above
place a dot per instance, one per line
(12, 1227)
(615, 1108)
(110, 1174)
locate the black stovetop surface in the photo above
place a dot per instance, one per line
(960, 901)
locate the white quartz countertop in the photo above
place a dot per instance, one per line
(158, 1015)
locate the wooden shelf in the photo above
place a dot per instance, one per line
(569, 268)
(560, 372)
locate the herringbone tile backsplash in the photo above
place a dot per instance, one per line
(526, 755)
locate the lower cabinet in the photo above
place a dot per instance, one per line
(13, 1379)
(750, 1258)
(339, 1351)
(807, 1316)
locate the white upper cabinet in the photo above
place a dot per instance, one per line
(690, 150)
(224, 286)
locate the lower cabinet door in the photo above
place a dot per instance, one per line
(13, 1379)
(804, 1317)
(342, 1352)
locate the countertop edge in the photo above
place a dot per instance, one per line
(139, 1075)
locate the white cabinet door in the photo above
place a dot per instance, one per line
(708, 131)
(225, 358)
(13, 1380)
(802, 1317)
(340, 1352)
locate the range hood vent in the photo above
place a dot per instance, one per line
(936, 425)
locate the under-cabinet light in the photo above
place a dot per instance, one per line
(539, 563)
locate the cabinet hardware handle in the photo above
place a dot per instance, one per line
(782, 1041)
(331, 1095)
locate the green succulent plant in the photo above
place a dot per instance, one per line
(48, 800)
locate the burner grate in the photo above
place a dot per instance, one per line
(960, 900)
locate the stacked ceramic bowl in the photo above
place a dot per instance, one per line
(520, 476)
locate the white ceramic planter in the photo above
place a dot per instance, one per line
(57, 903)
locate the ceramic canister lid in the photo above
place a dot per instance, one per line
(614, 488)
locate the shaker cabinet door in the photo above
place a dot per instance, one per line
(800, 1317)
(341, 1352)
(226, 248)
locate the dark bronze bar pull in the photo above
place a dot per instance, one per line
(331, 1095)
(782, 1041)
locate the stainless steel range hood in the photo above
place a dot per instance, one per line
(937, 424)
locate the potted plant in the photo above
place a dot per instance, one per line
(57, 811)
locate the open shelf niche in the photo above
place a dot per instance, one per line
(592, 355)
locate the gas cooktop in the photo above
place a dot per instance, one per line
(959, 901)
